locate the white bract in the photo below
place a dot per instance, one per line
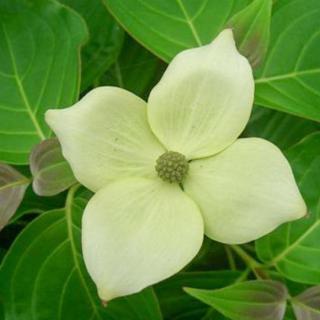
(139, 229)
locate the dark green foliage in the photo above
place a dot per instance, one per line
(51, 52)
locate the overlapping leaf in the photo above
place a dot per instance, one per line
(251, 27)
(170, 26)
(135, 69)
(289, 79)
(105, 40)
(52, 174)
(39, 68)
(294, 247)
(282, 129)
(307, 304)
(260, 299)
(34, 204)
(176, 304)
(12, 188)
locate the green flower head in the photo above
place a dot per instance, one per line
(167, 171)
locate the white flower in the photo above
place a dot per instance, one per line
(139, 229)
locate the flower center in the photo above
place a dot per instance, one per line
(172, 166)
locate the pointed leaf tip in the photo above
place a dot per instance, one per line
(251, 300)
(52, 174)
(251, 28)
(307, 304)
(12, 188)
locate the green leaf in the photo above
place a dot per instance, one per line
(170, 26)
(280, 128)
(52, 174)
(289, 79)
(34, 204)
(12, 188)
(251, 300)
(135, 70)
(307, 304)
(39, 69)
(289, 314)
(176, 304)
(294, 247)
(43, 275)
(251, 27)
(105, 42)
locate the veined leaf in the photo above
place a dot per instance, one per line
(294, 247)
(289, 79)
(307, 304)
(251, 27)
(34, 204)
(167, 27)
(251, 300)
(105, 40)
(176, 304)
(43, 275)
(134, 69)
(12, 188)
(52, 174)
(39, 69)
(282, 129)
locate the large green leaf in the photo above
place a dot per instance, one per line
(278, 127)
(39, 68)
(43, 276)
(294, 248)
(105, 40)
(176, 304)
(289, 79)
(167, 27)
(136, 69)
(260, 299)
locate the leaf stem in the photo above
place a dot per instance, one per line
(230, 257)
(252, 264)
(70, 195)
(75, 254)
(243, 276)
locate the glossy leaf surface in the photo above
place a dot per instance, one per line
(39, 69)
(170, 26)
(175, 303)
(289, 78)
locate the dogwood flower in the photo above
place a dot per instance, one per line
(168, 171)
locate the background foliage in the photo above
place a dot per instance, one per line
(53, 52)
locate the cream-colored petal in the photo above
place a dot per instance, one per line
(204, 99)
(106, 136)
(245, 191)
(137, 232)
